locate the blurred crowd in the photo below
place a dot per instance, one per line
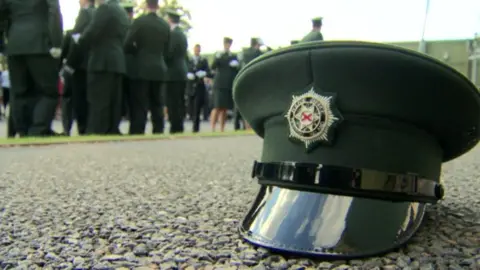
(110, 67)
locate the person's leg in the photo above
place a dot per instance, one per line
(175, 105)
(6, 97)
(99, 90)
(44, 72)
(237, 120)
(20, 92)
(67, 104)
(222, 119)
(214, 118)
(156, 107)
(116, 99)
(139, 105)
(79, 100)
(181, 86)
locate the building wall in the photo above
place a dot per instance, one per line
(454, 53)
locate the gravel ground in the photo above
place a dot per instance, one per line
(174, 205)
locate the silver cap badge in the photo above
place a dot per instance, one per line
(311, 117)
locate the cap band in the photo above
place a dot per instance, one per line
(348, 181)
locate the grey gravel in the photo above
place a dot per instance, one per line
(177, 204)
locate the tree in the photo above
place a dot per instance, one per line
(185, 19)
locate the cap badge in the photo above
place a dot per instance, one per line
(311, 117)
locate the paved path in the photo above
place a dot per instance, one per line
(57, 126)
(176, 205)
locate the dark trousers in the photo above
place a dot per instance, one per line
(127, 83)
(175, 101)
(238, 120)
(67, 108)
(207, 109)
(104, 95)
(198, 106)
(35, 102)
(6, 97)
(190, 104)
(145, 96)
(79, 100)
(11, 132)
(74, 102)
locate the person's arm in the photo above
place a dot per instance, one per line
(190, 64)
(55, 23)
(215, 63)
(187, 59)
(129, 45)
(206, 67)
(190, 68)
(74, 57)
(66, 45)
(235, 63)
(166, 48)
(172, 45)
(96, 27)
(185, 46)
(241, 58)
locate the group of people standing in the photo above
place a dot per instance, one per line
(221, 74)
(106, 57)
(129, 61)
(111, 65)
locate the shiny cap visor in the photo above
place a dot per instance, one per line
(316, 224)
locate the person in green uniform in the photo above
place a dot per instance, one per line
(225, 67)
(76, 64)
(104, 37)
(315, 34)
(198, 70)
(176, 80)
(34, 32)
(348, 170)
(148, 42)
(131, 68)
(247, 55)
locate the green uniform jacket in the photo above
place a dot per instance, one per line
(177, 56)
(224, 73)
(147, 43)
(250, 54)
(313, 36)
(104, 38)
(32, 27)
(78, 56)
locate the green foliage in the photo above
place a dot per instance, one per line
(185, 19)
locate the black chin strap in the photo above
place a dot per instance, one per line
(344, 181)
